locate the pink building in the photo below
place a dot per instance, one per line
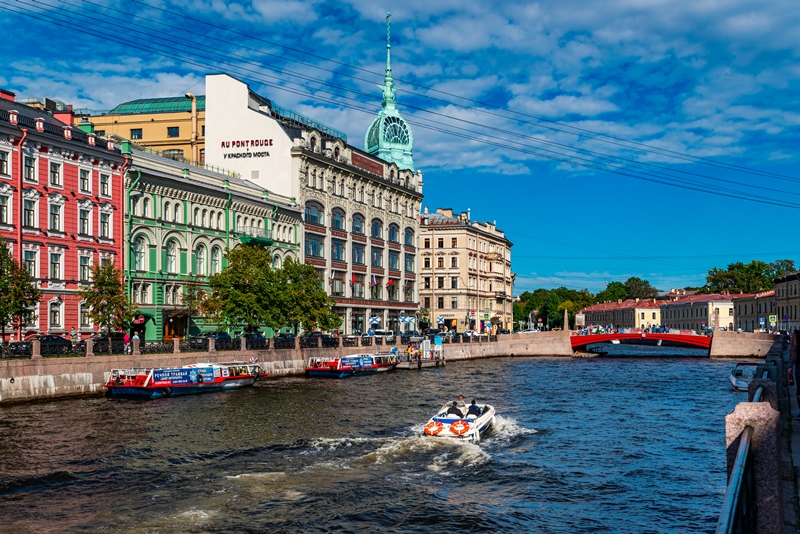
(61, 192)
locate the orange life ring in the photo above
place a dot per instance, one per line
(459, 427)
(433, 428)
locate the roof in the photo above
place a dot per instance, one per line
(761, 295)
(173, 104)
(629, 304)
(699, 299)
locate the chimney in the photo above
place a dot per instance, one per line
(67, 117)
(5, 94)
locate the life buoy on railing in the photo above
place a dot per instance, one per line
(459, 427)
(433, 428)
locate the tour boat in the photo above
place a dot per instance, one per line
(470, 427)
(742, 374)
(186, 380)
(358, 364)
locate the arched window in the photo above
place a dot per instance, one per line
(377, 228)
(172, 257)
(394, 233)
(196, 219)
(203, 220)
(146, 207)
(314, 213)
(336, 153)
(167, 211)
(358, 224)
(215, 257)
(238, 223)
(276, 262)
(409, 237)
(200, 260)
(313, 144)
(177, 217)
(135, 205)
(219, 221)
(211, 220)
(337, 219)
(138, 254)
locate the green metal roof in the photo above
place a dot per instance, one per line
(172, 104)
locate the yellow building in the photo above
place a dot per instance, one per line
(174, 126)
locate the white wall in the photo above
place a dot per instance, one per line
(260, 142)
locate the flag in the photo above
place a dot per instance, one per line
(374, 283)
(390, 282)
(354, 279)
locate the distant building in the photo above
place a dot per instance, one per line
(467, 280)
(787, 300)
(60, 208)
(751, 312)
(625, 314)
(699, 311)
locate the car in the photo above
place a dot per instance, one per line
(432, 332)
(504, 332)
(387, 334)
(52, 344)
(255, 335)
(470, 333)
(100, 342)
(286, 335)
(220, 336)
(412, 333)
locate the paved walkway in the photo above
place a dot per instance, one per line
(791, 461)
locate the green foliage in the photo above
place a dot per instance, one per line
(636, 288)
(549, 305)
(750, 277)
(18, 290)
(106, 299)
(613, 292)
(250, 292)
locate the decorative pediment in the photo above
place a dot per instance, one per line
(56, 199)
(31, 194)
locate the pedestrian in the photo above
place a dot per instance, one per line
(126, 341)
(74, 335)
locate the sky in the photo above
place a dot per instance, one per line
(647, 138)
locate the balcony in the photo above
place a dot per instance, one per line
(252, 235)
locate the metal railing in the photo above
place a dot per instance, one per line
(257, 344)
(198, 344)
(308, 342)
(738, 509)
(350, 342)
(227, 344)
(62, 349)
(17, 349)
(157, 347)
(283, 343)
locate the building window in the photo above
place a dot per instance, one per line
(358, 224)
(55, 266)
(315, 246)
(337, 284)
(453, 282)
(55, 315)
(377, 287)
(394, 260)
(358, 285)
(215, 255)
(29, 212)
(377, 228)
(337, 250)
(409, 263)
(409, 237)
(427, 282)
(84, 181)
(337, 219)
(55, 174)
(454, 261)
(314, 213)
(3, 210)
(177, 214)
(427, 303)
(172, 257)
(440, 282)
(203, 154)
(391, 289)
(84, 319)
(173, 131)
(203, 130)
(377, 257)
(30, 169)
(454, 303)
(409, 291)
(358, 254)
(136, 133)
(138, 254)
(454, 242)
(439, 263)
(200, 260)
(427, 243)
(83, 222)
(394, 233)
(29, 259)
(173, 153)
(4, 163)
(55, 217)
(104, 224)
(426, 263)
(145, 207)
(104, 184)
(84, 272)
(440, 303)
(440, 242)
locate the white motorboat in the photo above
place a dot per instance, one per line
(742, 374)
(469, 428)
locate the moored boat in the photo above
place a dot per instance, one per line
(187, 380)
(742, 374)
(355, 365)
(469, 428)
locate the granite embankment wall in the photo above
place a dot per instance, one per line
(42, 378)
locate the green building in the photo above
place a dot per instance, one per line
(180, 220)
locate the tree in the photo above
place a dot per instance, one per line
(750, 277)
(636, 288)
(18, 290)
(613, 292)
(194, 298)
(304, 299)
(106, 300)
(247, 292)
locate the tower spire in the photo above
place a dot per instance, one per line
(388, 83)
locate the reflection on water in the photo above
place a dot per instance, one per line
(581, 445)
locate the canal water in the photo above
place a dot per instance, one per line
(612, 444)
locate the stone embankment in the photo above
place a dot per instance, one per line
(42, 378)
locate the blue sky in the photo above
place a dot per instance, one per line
(480, 83)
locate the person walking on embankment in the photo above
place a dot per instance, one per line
(793, 363)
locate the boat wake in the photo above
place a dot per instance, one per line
(506, 428)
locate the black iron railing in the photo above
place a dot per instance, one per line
(257, 344)
(157, 347)
(308, 342)
(330, 342)
(227, 344)
(197, 344)
(283, 343)
(18, 349)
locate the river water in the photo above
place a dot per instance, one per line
(631, 444)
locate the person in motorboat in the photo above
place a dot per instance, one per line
(455, 411)
(474, 409)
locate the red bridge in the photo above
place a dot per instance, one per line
(579, 342)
